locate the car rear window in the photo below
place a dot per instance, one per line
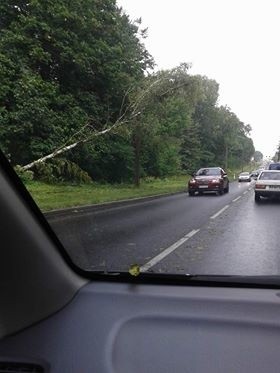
(270, 176)
(208, 172)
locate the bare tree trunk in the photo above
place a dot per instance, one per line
(50, 156)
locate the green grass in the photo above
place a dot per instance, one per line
(57, 196)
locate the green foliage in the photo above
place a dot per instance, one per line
(165, 113)
(191, 152)
(160, 158)
(258, 156)
(26, 176)
(61, 170)
(223, 137)
(108, 159)
(63, 64)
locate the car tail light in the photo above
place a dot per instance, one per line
(260, 186)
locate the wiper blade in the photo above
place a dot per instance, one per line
(188, 279)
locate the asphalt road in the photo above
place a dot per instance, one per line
(209, 234)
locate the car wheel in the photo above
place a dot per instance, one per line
(221, 192)
(191, 193)
(257, 197)
(226, 190)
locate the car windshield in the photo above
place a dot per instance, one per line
(108, 109)
(270, 176)
(208, 172)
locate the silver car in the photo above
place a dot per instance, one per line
(267, 184)
(244, 176)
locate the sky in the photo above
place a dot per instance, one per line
(235, 42)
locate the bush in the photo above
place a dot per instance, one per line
(61, 170)
(149, 179)
(25, 176)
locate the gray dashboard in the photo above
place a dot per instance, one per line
(126, 328)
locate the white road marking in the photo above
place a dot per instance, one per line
(167, 251)
(219, 212)
(170, 249)
(236, 199)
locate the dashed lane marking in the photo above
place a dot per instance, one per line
(173, 247)
(167, 251)
(219, 212)
(236, 199)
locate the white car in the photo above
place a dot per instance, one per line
(244, 176)
(267, 184)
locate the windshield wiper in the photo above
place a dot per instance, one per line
(272, 282)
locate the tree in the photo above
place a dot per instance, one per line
(224, 139)
(65, 68)
(191, 152)
(170, 96)
(205, 118)
(258, 156)
(76, 81)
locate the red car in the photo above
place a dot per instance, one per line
(211, 179)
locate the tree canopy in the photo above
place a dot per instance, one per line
(70, 69)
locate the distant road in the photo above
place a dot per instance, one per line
(206, 234)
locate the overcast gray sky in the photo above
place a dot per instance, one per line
(235, 42)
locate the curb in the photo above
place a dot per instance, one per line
(101, 206)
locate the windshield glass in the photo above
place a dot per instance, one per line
(109, 108)
(209, 172)
(270, 176)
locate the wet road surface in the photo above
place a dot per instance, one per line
(208, 234)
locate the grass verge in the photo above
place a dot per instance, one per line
(57, 196)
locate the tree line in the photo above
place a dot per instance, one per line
(80, 98)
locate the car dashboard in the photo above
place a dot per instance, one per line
(129, 328)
